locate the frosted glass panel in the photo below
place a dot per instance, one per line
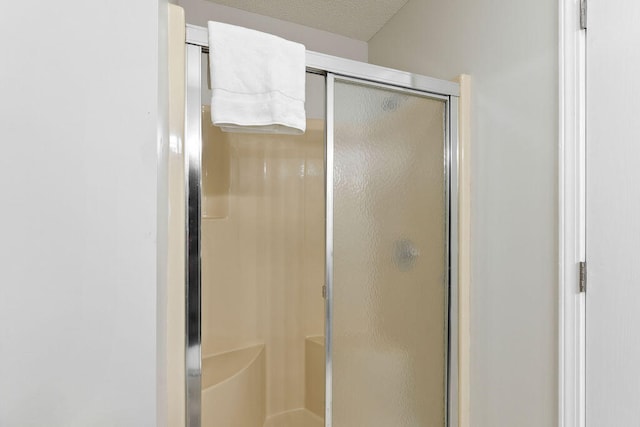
(389, 289)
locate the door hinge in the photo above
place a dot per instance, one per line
(583, 276)
(583, 14)
(324, 291)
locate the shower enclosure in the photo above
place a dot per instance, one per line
(322, 268)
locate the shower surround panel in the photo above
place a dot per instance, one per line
(262, 268)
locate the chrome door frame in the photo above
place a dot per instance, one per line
(333, 68)
(193, 187)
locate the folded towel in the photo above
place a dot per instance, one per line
(257, 81)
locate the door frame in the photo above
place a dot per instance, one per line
(571, 216)
(197, 43)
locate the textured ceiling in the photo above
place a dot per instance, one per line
(358, 19)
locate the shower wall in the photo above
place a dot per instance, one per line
(262, 256)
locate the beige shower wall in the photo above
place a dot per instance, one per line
(263, 250)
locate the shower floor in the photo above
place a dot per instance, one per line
(295, 418)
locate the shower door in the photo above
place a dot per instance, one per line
(387, 252)
(391, 274)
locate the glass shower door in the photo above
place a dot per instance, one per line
(389, 288)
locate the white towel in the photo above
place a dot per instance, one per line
(257, 80)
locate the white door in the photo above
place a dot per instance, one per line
(613, 214)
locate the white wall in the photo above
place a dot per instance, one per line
(510, 49)
(78, 227)
(198, 12)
